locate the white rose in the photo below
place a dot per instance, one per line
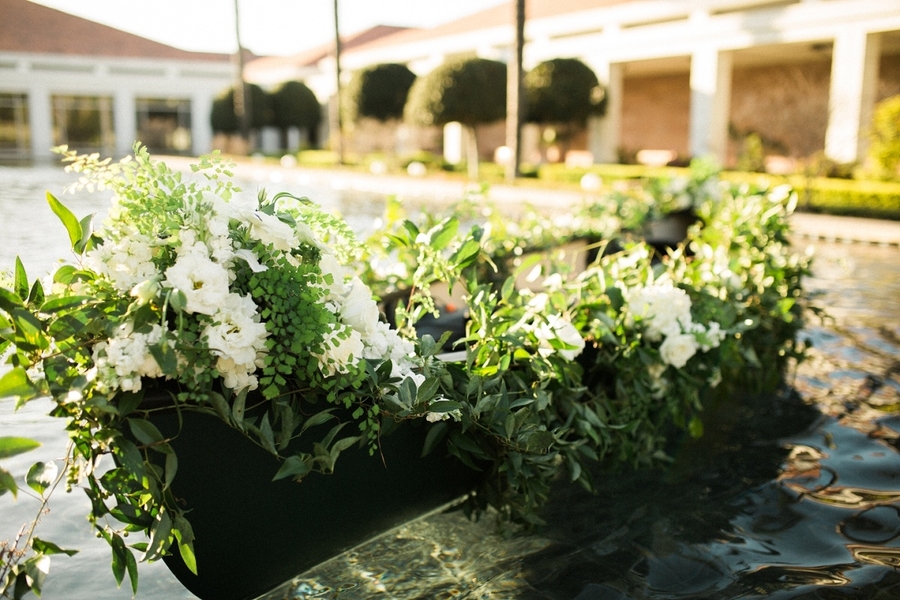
(359, 309)
(204, 283)
(677, 349)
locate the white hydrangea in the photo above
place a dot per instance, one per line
(203, 282)
(663, 309)
(126, 262)
(125, 357)
(236, 336)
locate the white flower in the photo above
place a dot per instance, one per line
(343, 348)
(678, 348)
(237, 337)
(329, 265)
(204, 282)
(359, 309)
(659, 383)
(125, 357)
(663, 309)
(126, 262)
(710, 336)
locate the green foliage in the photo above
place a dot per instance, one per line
(563, 90)
(470, 91)
(293, 104)
(884, 148)
(378, 92)
(223, 118)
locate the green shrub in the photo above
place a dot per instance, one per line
(223, 118)
(884, 150)
(563, 90)
(295, 105)
(378, 92)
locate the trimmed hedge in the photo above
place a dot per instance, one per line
(859, 198)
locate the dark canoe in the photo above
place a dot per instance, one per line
(253, 534)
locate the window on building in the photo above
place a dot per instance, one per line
(85, 123)
(15, 134)
(164, 125)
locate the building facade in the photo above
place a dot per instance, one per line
(690, 77)
(67, 80)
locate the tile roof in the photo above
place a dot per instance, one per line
(32, 28)
(311, 57)
(496, 16)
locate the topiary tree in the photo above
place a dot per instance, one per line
(378, 92)
(563, 92)
(295, 105)
(884, 137)
(223, 118)
(470, 91)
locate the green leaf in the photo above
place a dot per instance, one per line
(45, 547)
(159, 537)
(237, 409)
(442, 237)
(317, 419)
(8, 482)
(266, 435)
(184, 533)
(29, 330)
(695, 427)
(145, 432)
(73, 227)
(435, 435)
(540, 442)
(36, 569)
(41, 475)
(9, 300)
(442, 406)
(21, 279)
(11, 446)
(119, 550)
(296, 467)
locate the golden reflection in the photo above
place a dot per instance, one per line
(876, 555)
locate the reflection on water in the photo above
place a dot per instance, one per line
(796, 495)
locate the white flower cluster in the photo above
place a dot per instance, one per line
(206, 257)
(363, 335)
(664, 311)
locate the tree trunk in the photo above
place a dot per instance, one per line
(515, 101)
(471, 152)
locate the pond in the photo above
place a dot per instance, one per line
(795, 495)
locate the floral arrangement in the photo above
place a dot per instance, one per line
(196, 291)
(264, 312)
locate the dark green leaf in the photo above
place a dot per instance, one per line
(145, 432)
(294, 467)
(435, 435)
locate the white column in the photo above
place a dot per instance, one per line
(201, 128)
(40, 122)
(124, 121)
(710, 103)
(854, 81)
(605, 133)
